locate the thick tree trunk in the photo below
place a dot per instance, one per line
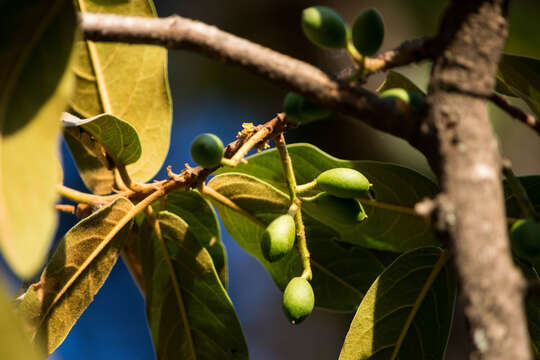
(468, 164)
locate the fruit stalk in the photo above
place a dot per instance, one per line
(301, 243)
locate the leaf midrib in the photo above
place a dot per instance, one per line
(176, 286)
(423, 292)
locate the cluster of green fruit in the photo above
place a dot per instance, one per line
(338, 189)
(525, 237)
(326, 28)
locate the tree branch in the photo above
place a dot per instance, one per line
(469, 165)
(180, 33)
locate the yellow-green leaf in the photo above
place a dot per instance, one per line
(127, 81)
(189, 312)
(118, 138)
(75, 273)
(37, 40)
(397, 80)
(14, 342)
(520, 76)
(407, 312)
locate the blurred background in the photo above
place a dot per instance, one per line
(211, 97)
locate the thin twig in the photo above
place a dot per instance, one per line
(516, 112)
(258, 136)
(190, 178)
(70, 209)
(301, 242)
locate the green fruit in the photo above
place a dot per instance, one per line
(298, 300)
(343, 183)
(415, 98)
(327, 208)
(324, 27)
(525, 236)
(207, 150)
(368, 32)
(302, 111)
(278, 238)
(396, 93)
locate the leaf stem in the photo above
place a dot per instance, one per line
(213, 194)
(300, 189)
(81, 197)
(519, 192)
(65, 208)
(287, 166)
(126, 179)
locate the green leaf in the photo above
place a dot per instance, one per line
(36, 48)
(520, 76)
(391, 223)
(341, 274)
(189, 313)
(75, 273)
(407, 313)
(397, 80)
(119, 139)
(129, 82)
(203, 224)
(14, 342)
(532, 305)
(531, 184)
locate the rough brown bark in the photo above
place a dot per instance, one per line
(468, 164)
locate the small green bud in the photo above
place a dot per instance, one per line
(302, 111)
(334, 209)
(324, 27)
(415, 98)
(343, 183)
(525, 236)
(298, 300)
(278, 238)
(207, 150)
(368, 32)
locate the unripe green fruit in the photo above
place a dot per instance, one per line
(337, 210)
(278, 238)
(343, 183)
(298, 300)
(302, 111)
(324, 27)
(525, 236)
(207, 150)
(415, 98)
(368, 32)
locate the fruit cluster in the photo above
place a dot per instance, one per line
(337, 190)
(327, 29)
